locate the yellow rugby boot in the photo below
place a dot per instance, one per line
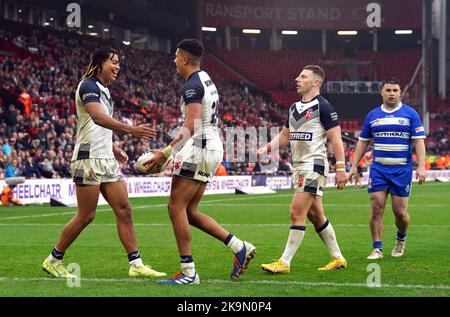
(334, 264)
(144, 271)
(277, 266)
(56, 268)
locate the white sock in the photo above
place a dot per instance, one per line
(329, 238)
(137, 262)
(295, 239)
(188, 269)
(52, 259)
(235, 244)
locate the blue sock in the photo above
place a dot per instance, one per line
(401, 236)
(378, 245)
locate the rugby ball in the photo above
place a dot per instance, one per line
(148, 156)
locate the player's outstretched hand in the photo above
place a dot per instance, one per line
(262, 154)
(143, 131)
(421, 174)
(350, 175)
(156, 161)
(121, 156)
(261, 151)
(340, 180)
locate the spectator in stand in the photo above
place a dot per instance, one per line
(221, 170)
(6, 147)
(25, 99)
(11, 119)
(31, 170)
(46, 168)
(441, 162)
(12, 168)
(285, 165)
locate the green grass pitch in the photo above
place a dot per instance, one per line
(28, 234)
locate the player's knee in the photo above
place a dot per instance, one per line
(124, 213)
(174, 208)
(401, 214)
(296, 218)
(377, 209)
(314, 218)
(377, 213)
(171, 206)
(87, 218)
(192, 215)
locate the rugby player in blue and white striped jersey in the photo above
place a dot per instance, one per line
(394, 128)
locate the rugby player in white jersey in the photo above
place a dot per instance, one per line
(198, 152)
(311, 122)
(95, 166)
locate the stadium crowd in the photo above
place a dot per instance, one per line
(37, 134)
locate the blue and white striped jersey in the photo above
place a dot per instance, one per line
(392, 132)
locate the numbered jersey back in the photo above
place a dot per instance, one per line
(199, 88)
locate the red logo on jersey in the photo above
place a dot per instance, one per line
(308, 114)
(177, 164)
(300, 181)
(91, 174)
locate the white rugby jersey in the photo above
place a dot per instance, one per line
(199, 88)
(308, 123)
(93, 141)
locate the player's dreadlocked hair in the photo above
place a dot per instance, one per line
(99, 57)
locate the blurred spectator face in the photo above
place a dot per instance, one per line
(51, 154)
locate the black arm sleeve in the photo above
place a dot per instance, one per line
(89, 92)
(328, 115)
(193, 93)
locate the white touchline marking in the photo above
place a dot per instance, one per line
(74, 212)
(216, 281)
